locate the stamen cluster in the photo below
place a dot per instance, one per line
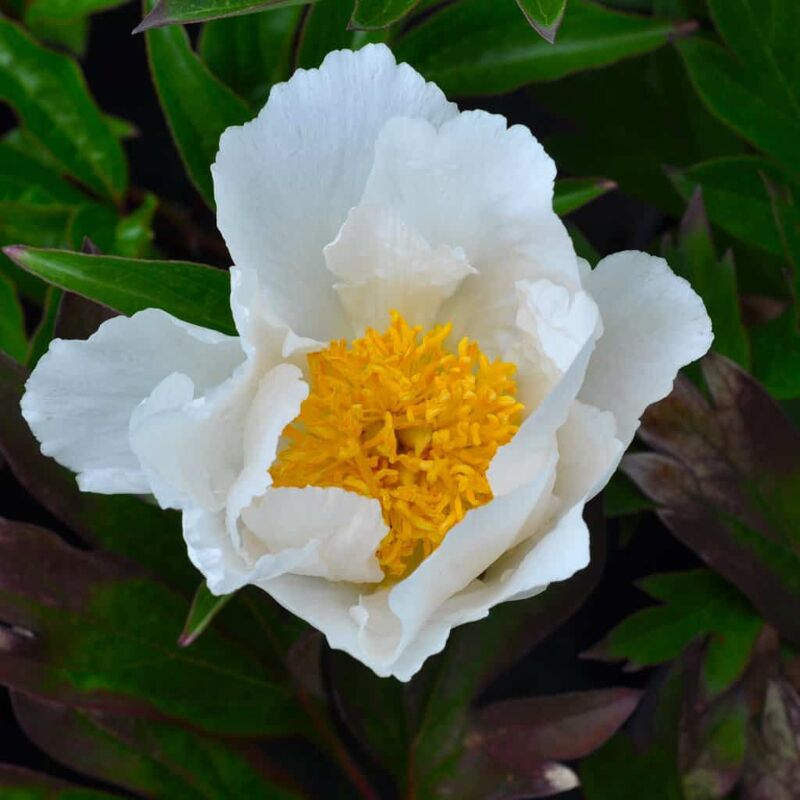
(399, 417)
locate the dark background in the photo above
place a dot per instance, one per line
(117, 73)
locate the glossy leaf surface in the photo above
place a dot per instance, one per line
(170, 12)
(85, 629)
(48, 92)
(198, 107)
(191, 292)
(484, 47)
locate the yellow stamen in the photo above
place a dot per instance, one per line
(407, 421)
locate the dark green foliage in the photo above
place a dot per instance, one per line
(125, 669)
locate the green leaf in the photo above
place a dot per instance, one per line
(169, 12)
(71, 35)
(695, 604)
(19, 783)
(621, 770)
(122, 128)
(153, 758)
(621, 498)
(96, 223)
(66, 10)
(787, 220)
(12, 322)
(23, 179)
(46, 226)
(324, 29)
(205, 607)
(544, 15)
(713, 747)
(727, 481)
(198, 107)
(38, 224)
(776, 355)
(574, 193)
(583, 247)
(693, 258)
(48, 93)
(45, 330)
(250, 54)
(105, 638)
(480, 47)
(133, 234)
(631, 147)
(23, 141)
(191, 292)
(754, 87)
(371, 14)
(736, 198)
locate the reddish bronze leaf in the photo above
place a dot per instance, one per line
(153, 757)
(727, 480)
(562, 726)
(21, 783)
(513, 748)
(86, 629)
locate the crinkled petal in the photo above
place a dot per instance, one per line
(654, 324)
(390, 619)
(589, 452)
(477, 184)
(516, 462)
(204, 451)
(346, 527)
(211, 550)
(554, 555)
(327, 533)
(264, 335)
(285, 182)
(80, 398)
(384, 265)
(556, 322)
(276, 403)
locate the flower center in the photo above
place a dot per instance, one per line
(400, 417)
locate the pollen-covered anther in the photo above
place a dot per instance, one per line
(400, 417)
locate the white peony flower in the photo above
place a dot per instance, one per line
(427, 385)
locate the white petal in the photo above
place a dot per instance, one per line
(553, 554)
(476, 184)
(345, 527)
(264, 335)
(654, 323)
(196, 452)
(80, 397)
(321, 603)
(387, 266)
(277, 402)
(390, 619)
(589, 452)
(526, 571)
(285, 182)
(556, 322)
(516, 462)
(225, 568)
